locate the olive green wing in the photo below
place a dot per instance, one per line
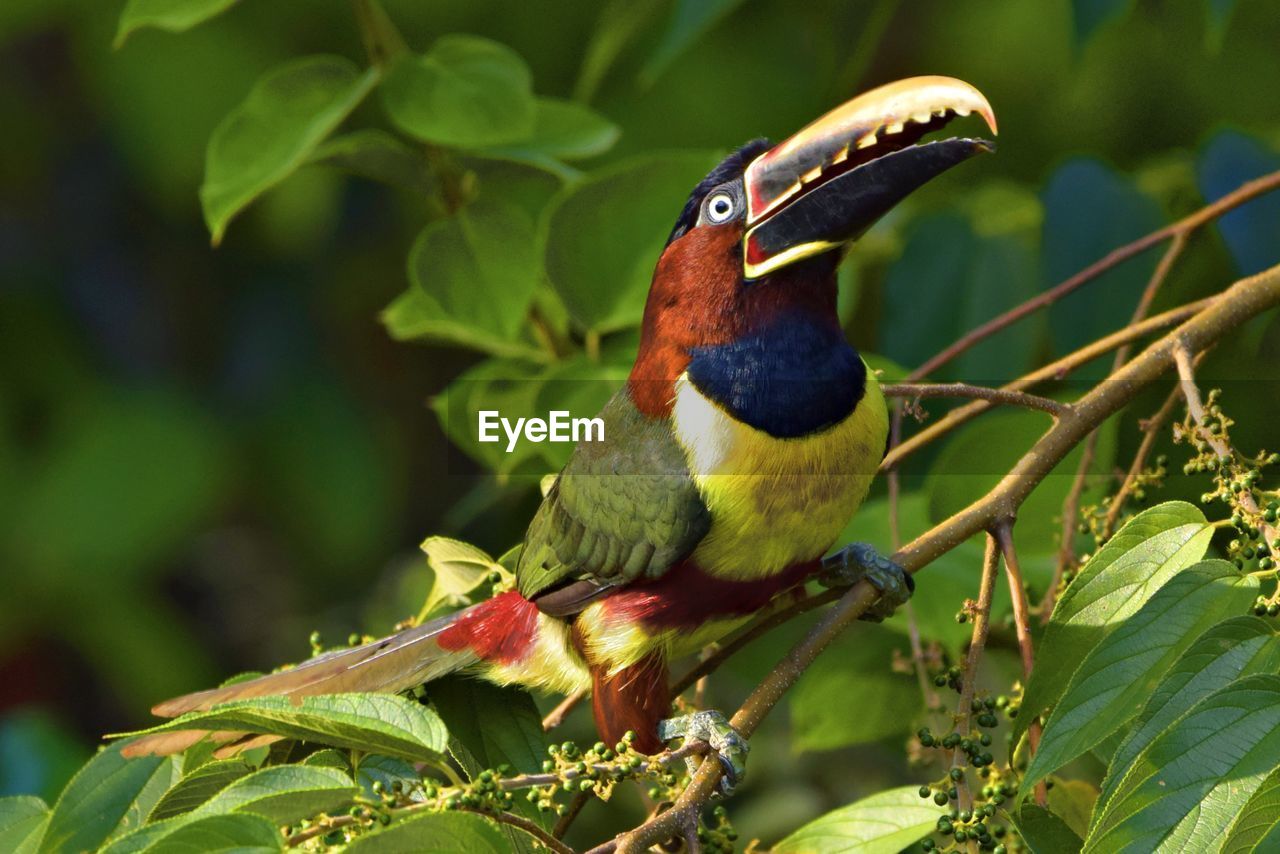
(623, 508)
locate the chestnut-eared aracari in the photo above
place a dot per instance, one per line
(745, 438)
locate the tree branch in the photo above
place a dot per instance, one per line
(1053, 371)
(1022, 622)
(977, 643)
(1242, 301)
(1181, 228)
(1006, 396)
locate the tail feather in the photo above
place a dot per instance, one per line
(392, 664)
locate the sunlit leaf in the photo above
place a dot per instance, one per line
(283, 793)
(234, 833)
(1242, 646)
(884, 823)
(1122, 671)
(23, 819)
(198, 786)
(434, 833)
(110, 796)
(465, 91)
(377, 723)
(457, 568)
(1257, 828)
(176, 16)
(604, 235)
(472, 276)
(1149, 550)
(289, 111)
(1184, 791)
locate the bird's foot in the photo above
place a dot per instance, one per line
(860, 561)
(725, 742)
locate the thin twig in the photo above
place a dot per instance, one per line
(1053, 371)
(978, 642)
(1022, 623)
(1182, 227)
(529, 827)
(1071, 505)
(927, 693)
(1244, 300)
(1151, 428)
(556, 716)
(975, 392)
(1183, 355)
(575, 807)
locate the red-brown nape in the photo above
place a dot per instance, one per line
(698, 299)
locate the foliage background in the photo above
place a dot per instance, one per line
(204, 455)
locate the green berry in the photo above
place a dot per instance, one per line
(940, 798)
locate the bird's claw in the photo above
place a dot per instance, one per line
(725, 742)
(860, 561)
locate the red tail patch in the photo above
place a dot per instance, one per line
(500, 630)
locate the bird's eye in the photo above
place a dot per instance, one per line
(720, 208)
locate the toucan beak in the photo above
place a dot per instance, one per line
(826, 185)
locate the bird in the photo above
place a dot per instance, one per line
(746, 436)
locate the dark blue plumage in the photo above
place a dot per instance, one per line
(796, 376)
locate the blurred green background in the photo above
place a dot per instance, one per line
(207, 453)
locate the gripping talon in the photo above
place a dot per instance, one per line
(728, 745)
(859, 561)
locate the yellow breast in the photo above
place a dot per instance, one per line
(776, 502)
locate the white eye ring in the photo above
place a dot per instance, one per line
(720, 208)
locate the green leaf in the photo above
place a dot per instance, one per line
(457, 569)
(377, 723)
(434, 833)
(1229, 159)
(619, 22)
(1122, 671)
(289, 111)
(562, 130)
(604, 235)
(283, 793)
(1183, 792)
(23, 819)
(947, 281)
(858, 664)
(1242, 646)
(234, 833)
(580, 386)
(465, 91)
(198, 786)
(1257, 828)
(472, 278)
(1090, 209)
(1149, 550)
(387, 770)
(109, 796)
(689, 20)
(176, 16)
(884, 823)
(502, 385)
(499, 725)
(378, 156)
(1044, 832)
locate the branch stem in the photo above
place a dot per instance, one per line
(918, 391)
